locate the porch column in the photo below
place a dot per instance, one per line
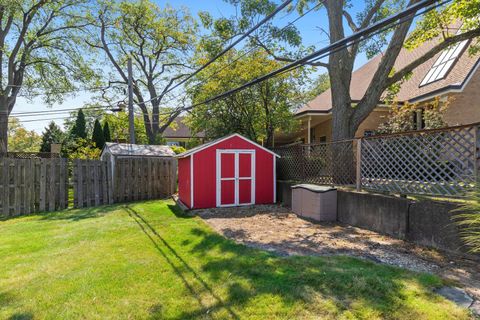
(308, 130)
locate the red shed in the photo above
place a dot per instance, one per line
(231, 171)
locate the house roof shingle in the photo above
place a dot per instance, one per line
(127, 149)
(410, 89)
(180, 130)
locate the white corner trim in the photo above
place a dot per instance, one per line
(274, 180)
(191, 182)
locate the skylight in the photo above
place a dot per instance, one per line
(444, 63)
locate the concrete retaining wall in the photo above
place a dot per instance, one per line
(383, 214)
(430, 224)
(284, 192)
(427, 223)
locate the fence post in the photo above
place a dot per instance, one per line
(477, 153)
(359, 165)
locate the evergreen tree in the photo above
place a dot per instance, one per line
(106, 132)
(79, 130)
(52, 134)
(97, 136)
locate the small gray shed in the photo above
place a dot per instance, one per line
(112, 151)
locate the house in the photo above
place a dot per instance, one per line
(451, 73)
(178, 134)
(230, 171)
(113, 151)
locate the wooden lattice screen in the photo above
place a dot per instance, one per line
(433, 162)
(321, 163)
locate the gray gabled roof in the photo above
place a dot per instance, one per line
(127, 149)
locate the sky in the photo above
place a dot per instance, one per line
(309, 26)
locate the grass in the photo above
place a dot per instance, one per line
(147, 261)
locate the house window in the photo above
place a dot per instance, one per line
(312, 135)
(322, 139)
(419, 119)
(444, 63)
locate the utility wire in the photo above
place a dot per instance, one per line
(243, 54)
(359, 35)
(233, 44)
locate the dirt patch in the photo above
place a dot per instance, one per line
(276, 229)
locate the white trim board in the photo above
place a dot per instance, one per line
(191, 182)
(236, 178)
(212, 143)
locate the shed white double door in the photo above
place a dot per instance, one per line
(235, 177)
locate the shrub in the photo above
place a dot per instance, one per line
(468, 219)
(178, 149)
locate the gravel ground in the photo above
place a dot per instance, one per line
(275, 228)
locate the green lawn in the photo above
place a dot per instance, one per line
(146, 260)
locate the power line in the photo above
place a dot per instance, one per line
(36, 120)
(243, 54)
(319, 54)
(356, 36)
(50, 112)
(233, 44)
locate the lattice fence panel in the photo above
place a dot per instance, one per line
(322, 163)
(441, 162)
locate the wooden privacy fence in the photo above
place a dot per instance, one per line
(442, 162)
(144, 178)
(36, 185)
(92, 184)
(32, 185)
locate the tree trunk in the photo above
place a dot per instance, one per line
(3, 126)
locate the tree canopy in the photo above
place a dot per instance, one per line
(285, 45)
(257, 112)
(159, 41)
(21, 139)
(39, 53)
(52, 134)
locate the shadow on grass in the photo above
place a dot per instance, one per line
(317, 282)
(164, 248)
(178, 212)
(341, 279)
(7, 299)
(79, 214)
(21, 316)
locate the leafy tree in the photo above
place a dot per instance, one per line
(159, 41)
(91, 112)
(79, 129)
(106, 132)
(340, 64)
(401, 117)
(52, 134)
(319, 86)
(21, 139)
(84, 149)
(39, 53)
(97, 135)
(118, 125)
(178, 149)
(256, 113)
